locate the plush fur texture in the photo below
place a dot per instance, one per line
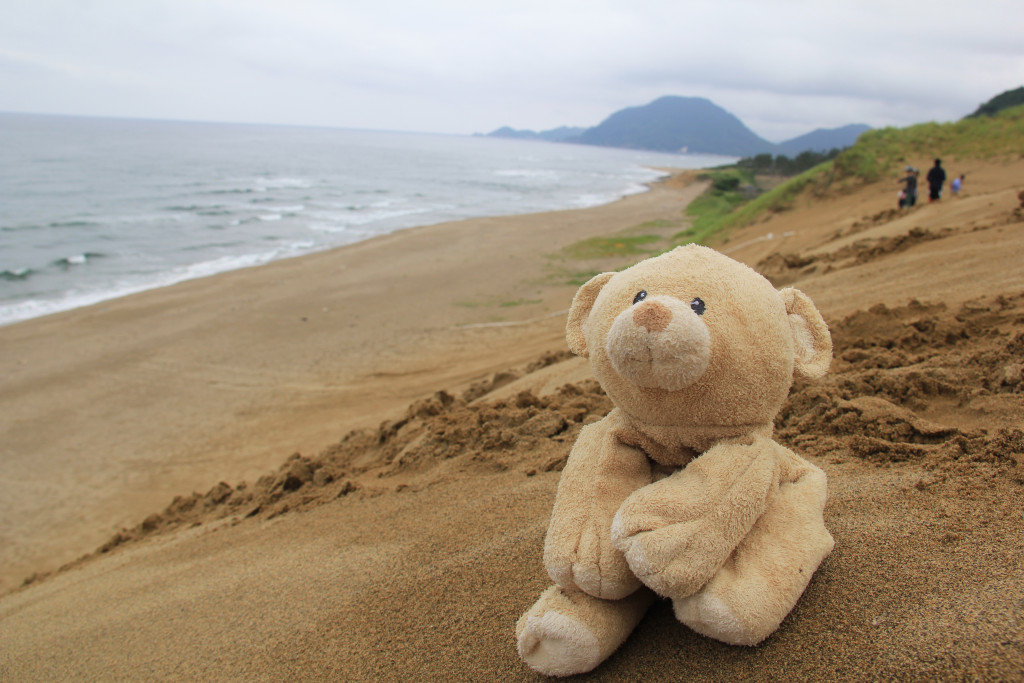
(681, 490)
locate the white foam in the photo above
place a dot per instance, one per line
(331, 228)
(588, 200)
(539, 173)
(264, 184)
(143, 232)
(72, 299)
(343, 220)
(379, 204)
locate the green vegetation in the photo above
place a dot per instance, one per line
(617, 251)
(1010, 98)
(882, 152)
(778, 199)
(519, 302)
(608, 247)
(582, 277)
(783, 165)
(708, 212)
(494, 302)
(876, 155)
(656, 224)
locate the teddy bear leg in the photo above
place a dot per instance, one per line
(762, 580)
(571, 632)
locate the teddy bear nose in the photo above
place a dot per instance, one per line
(652, 316)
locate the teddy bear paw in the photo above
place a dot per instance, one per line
(592, 581)
(709, 615)
(636, 556)
(672, 578)
(557, 645)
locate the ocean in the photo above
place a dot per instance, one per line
(93, 208)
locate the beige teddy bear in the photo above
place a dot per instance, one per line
(681, 488)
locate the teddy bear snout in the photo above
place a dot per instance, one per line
(652, 316)
(659, 343)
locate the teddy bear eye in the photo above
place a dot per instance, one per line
(640, 296)
(698, 306)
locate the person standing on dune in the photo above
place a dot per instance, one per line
(910, 190)
(936, 178)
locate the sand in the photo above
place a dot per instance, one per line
(399, 411)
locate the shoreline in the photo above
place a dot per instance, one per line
(136, 399)
(180, 274)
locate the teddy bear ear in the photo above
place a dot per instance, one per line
(811, 340)
(582, 303)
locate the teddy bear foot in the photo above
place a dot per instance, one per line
(710, 616)
(567, 633)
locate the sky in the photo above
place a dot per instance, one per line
(784, 67)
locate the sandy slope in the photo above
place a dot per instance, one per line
(108, 412)
(408, 549)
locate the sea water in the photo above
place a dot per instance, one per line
(94, 208)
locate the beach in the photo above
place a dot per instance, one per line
(389, 406)
(222, 378)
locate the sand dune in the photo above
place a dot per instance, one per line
(403, 539)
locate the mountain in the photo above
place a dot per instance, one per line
(560, 134)
(687, 124)
(824, 139)
(677, 124)
(1010, 98)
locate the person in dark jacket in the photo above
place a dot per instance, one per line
(936, 177)
(910, 191)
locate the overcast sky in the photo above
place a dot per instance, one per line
(464, 66)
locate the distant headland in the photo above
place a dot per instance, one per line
(687, 124)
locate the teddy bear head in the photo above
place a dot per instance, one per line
(693, 338)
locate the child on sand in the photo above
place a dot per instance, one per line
(957, 184)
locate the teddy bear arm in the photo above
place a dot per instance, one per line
(677, 532)
(794, 523)
(765, 576)
(797, 506)
(578, 552)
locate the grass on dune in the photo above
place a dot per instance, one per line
(876, 155)
(732, 200)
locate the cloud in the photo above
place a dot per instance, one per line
(783, 67)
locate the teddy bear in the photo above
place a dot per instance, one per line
(680, 491)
